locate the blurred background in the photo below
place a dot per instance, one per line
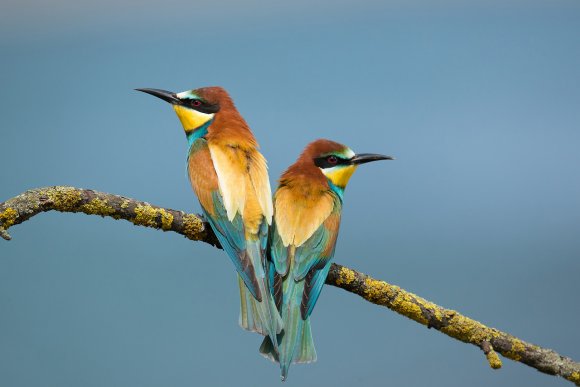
(478, 100)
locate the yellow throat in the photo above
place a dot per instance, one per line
(191, 119)
(340, 175)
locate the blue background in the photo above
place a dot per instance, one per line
(478, 100)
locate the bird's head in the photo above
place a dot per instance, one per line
(337, 162)
(195, 108)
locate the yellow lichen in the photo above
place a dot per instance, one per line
(467, 330)
(192, 226)
(493, 359)
(147, 216)
(379, 292)
(407, 305)
(346, 276)
(8, 217)
(64, 198)
(414, 307)
(97, 207)
(393, 297)
(125, 203)
(516, 350)
(166, 220)
(574, 377)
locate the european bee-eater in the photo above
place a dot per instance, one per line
(307, 208)
(230, 178)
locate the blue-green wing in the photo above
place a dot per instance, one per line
(314, 282)
(277, 265)
(278, 252)
(231, 235)
(311, 253)
(313, 262)
(314, 252)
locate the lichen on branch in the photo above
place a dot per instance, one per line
(68, 199)
(449, 322)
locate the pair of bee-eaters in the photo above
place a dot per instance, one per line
(281, 249)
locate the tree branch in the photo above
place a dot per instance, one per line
(490, 340)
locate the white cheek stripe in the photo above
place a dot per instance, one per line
(328, 171)
(209, 116)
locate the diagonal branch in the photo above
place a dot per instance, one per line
(490, 340)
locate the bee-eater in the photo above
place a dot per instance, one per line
(230, 178)
(307, 208)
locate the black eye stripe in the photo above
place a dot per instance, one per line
(200, 105)
(323, 162)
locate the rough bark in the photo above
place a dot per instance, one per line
(490, 340)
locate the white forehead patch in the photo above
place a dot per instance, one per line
(186, 94)
(348, 153)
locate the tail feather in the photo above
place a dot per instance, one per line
(262, 317)
(249, 317)
(268, 351)
(306, 352)
(295, 345)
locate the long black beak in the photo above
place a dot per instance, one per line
(165, 95)
(362, 158)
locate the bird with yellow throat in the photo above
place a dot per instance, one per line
(230, 178)
(307, 210)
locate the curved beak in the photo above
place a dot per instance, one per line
(363, 158)
(165, 95)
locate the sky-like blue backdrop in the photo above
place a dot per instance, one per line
(478, 100)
